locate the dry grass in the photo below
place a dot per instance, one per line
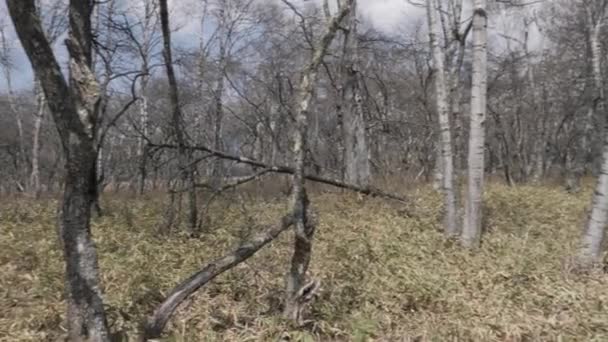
(384, 276)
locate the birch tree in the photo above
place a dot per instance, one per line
(223, 36)
(74, 112)
(471, 232)
(177, 120)
(149, 24)
(297, 292)
(593, 236)
(441, 102)
(304, 224)
(355, 141)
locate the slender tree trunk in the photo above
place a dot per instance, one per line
(217, 168)
(455, 60)
(538, 151)
(141, 141)
(304, 227)
(471, 233)
(186, 169)
(148, 29)
(41, 106)
(593, 237)
(22, 156)
(447, 158)
(356, 149)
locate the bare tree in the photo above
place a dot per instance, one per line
(304, 224)
(74, 111)
(593, 236)
(299, 215)
(471, 232)
(354, 132)
(446, 144)
(185, 164)
(224, 33)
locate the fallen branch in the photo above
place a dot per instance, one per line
(371, 191)
(236, 181)
(155, 324)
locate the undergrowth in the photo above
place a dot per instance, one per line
(386, 274)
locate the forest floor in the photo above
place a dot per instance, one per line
(386, 274)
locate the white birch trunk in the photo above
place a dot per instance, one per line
(149, 26)
(35, 175)
(304, 226)
(593, 236)
(143, 121)
(447, 159)
(475, 176)
(218, 97)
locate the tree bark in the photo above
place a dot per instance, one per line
(185, 165)
(304, 226)
(73, 110)
(471, 233)
(218, 94)
(41, 107)
(593, 236)
(447, 158)
(356, 149)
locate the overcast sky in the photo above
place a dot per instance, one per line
(385, 15)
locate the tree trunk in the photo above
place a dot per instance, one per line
(74, 114)
(218, 94)
(455, 61)
(356, 150)
(471, 233)
(304, 227)
(141, 141)
(21, 157)
(185, 165)
(593, 237)
(447, 158)
(41, 107)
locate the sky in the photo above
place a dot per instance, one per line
(384, 15)
(387, 16)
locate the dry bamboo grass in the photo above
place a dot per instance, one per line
(385, 275)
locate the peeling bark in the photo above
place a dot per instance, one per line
(73, 109)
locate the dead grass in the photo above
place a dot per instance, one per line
(385, 275)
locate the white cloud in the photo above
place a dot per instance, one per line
(388, 15)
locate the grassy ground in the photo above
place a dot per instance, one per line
(386, 275)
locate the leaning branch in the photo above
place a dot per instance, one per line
(370, 191)
(156, 323)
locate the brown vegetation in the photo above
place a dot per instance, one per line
(394, 276)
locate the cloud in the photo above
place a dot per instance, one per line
(388, 15)
(384, 15)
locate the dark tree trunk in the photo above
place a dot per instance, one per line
(73, 109)
(186, 167)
